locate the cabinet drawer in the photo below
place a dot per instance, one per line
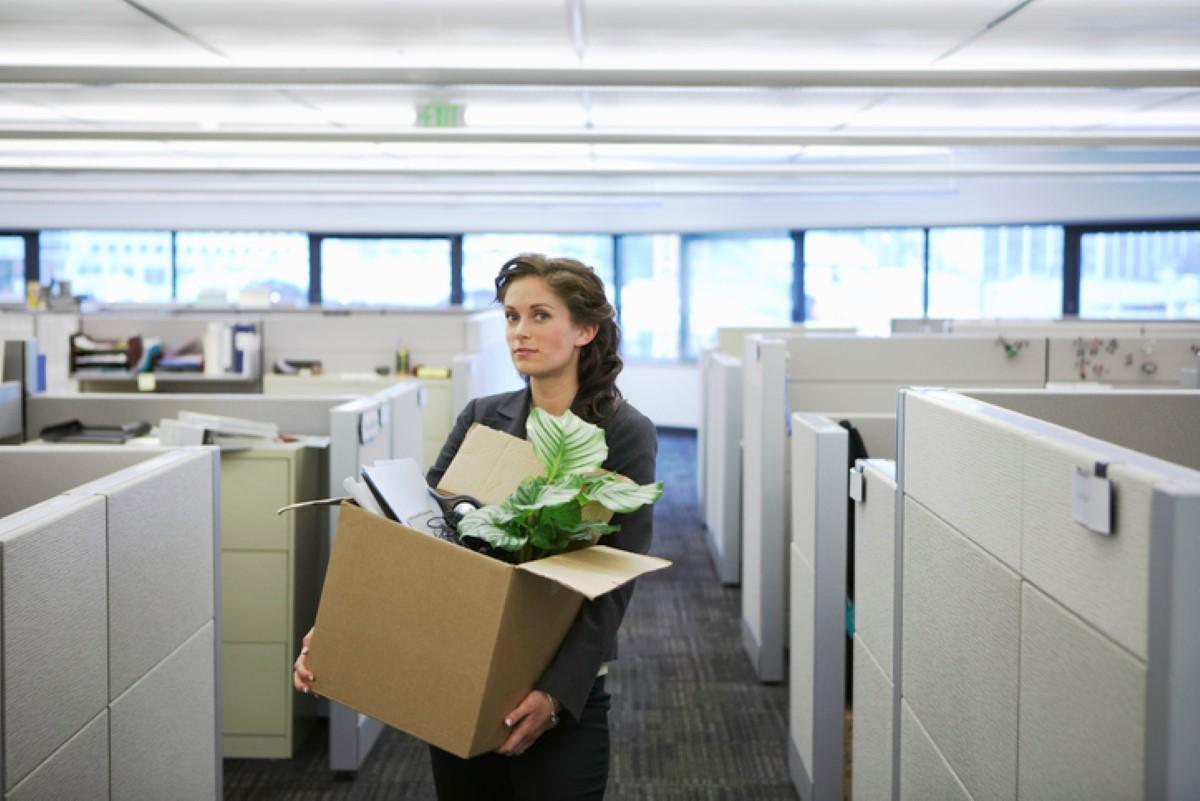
(254, 596)
(255, 687)
(251, 491)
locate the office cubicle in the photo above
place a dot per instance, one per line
(308, 415)
(720, 443)
(719, 436)
(858, 376)
(110, 687)
(1044, 587)
(862, 374)
(817, 611)
(873, 649)
(436, 398)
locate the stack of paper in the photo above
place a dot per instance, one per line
(228, 433)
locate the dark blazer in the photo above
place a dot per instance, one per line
(632, 449)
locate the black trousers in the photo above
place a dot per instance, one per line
(567, 763)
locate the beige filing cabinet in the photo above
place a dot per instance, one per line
(269, 589)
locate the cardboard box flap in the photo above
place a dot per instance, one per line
(489, 465)
(592, 572)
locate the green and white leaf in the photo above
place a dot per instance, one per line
(487, 524)
(565, 445)
(538, 494)
(589, 530)
(622, 497)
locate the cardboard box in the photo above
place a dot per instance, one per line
(437, 640)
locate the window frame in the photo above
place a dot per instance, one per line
(1073, 233)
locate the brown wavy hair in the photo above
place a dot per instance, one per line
(578, 286)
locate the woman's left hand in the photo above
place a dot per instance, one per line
(529, 721)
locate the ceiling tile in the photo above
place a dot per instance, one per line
(1062, 34)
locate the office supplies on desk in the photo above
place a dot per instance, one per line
(76, 431)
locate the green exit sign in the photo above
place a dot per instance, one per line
(440, 115)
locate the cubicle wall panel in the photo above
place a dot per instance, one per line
(878, 431)
(1162, 423)
(252, 490)
(362, 342)
(915, 360)
(1102, 578)
(961, 639)
(752, 496)
(78, 771)
(801, 662)
(256, 688)
(871, 777)
(256, 585)
(1083, 709)
(160, 563)
(925, 775)
(968, 469)
(54, 629)
(1125, 361)
(723, 466)
(33, 473)
(874, 564)
(804, 485)
(162, 728)
(848, 397)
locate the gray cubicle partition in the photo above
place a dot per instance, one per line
(1045, 592)
(820, 482)
(110, 631)
(720, 442)
(386, 425)
(294, 414)
(874, 622)
(814, 373)
(719, 437)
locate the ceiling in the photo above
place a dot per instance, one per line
(612, 96)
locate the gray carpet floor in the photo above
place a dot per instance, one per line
(689, 721)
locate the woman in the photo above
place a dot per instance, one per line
(563, 340)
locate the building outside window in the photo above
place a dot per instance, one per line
(1140, 275)
(736, 280)
(996, 271)
(864, 278)
(214, 264)
(12, 269)
(483, 255)
(383, 271)
(109, 266)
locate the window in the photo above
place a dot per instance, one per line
(12, 269)
(227, 263)
(997, 271)
(385, 271)
(736, 280)
(1140, 274)
(483, 254)
(864, 278)
(650, 298)
(94, 264)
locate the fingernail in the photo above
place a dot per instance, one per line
(508, 722)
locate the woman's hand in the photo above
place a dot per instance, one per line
(302, 678)
(534, 717)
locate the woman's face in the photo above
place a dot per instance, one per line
(542, 339)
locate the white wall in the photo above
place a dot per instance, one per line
(668, 394)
